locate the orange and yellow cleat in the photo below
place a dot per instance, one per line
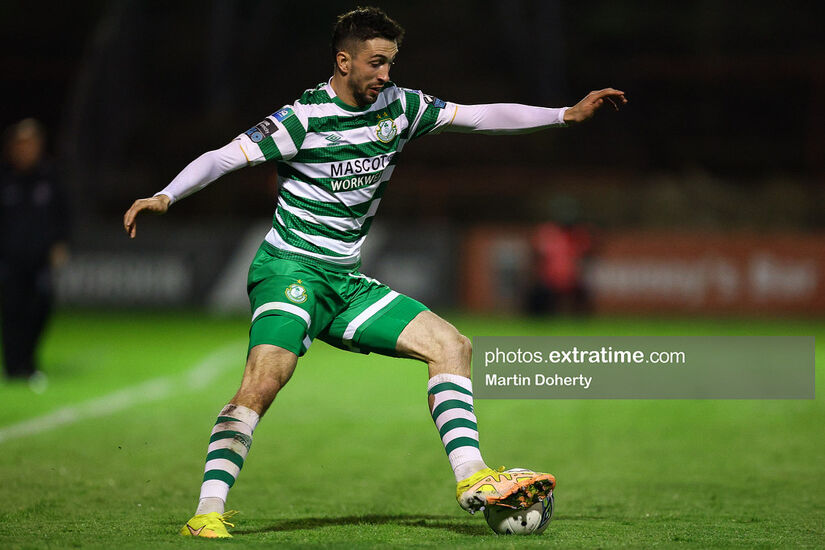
(515, 488)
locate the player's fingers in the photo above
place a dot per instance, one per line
(129, 218)
(615, 97)
(607, 93)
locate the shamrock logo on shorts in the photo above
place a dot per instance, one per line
(296, 293)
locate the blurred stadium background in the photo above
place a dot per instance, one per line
(705, 195)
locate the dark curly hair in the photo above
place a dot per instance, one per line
(364, 23)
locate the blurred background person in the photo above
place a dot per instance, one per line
(560, 250)
(33, 241)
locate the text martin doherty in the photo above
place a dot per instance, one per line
(493, 379)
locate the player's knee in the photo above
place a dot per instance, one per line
(465, 350)
(464, 347)
(454, 351)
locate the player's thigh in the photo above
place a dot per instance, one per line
(374, 318)
(430, 338)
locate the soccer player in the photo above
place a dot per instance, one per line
(336, 148)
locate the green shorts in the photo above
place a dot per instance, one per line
(294, 302)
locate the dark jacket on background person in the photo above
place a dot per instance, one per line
(33, 216)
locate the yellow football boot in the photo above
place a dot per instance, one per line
(211, 525)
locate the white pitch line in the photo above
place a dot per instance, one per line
(156, 389)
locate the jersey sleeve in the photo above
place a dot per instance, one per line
(505, 118)
(426, 114)
(277, 137)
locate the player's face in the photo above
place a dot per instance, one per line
(370, 69)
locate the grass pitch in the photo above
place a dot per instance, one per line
(112, 453)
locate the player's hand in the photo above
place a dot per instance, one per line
(592, 102)
(158, 204)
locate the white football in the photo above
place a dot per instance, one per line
(527, 521)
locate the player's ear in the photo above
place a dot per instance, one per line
(343, 60)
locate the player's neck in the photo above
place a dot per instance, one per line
(339, 86)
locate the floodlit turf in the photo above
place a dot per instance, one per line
(348, 456)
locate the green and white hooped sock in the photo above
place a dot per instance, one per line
(228, 446)
(456, 422)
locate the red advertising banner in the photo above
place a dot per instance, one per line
(652, 271)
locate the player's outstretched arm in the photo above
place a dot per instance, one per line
(158, 204)
(198, 174)
(592, 102)
(513, 118)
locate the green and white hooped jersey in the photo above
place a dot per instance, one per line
(334, 164)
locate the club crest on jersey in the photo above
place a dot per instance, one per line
(296, 293)
(386, 129)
